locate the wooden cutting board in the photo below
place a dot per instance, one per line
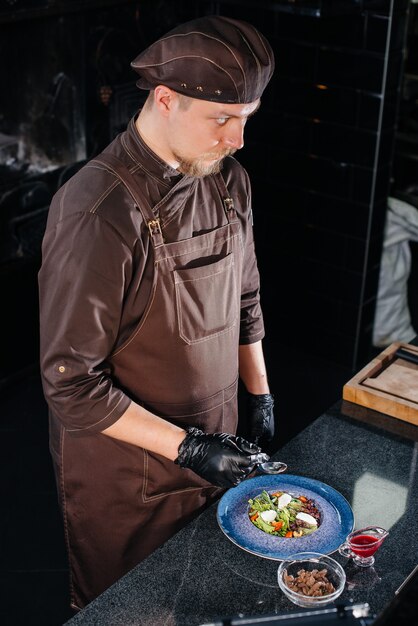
(388, 384)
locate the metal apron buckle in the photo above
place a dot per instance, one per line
(228, 203)
(154, 227)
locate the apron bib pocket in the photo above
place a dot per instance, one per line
(206, 300)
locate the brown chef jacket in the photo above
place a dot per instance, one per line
(96, 283)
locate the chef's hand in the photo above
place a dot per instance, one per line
(221, 459)
(261, 417)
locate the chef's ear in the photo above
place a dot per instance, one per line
(164, 99)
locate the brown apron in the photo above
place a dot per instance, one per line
(121, 502)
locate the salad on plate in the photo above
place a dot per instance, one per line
(283, 514)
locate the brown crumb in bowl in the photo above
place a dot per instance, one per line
(314, 583)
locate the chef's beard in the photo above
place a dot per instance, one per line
(202, 166)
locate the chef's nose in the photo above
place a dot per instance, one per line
(234, 134)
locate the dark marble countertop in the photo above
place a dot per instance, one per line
(200, 576)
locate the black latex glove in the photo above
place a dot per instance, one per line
(261, 417)
(221, 459)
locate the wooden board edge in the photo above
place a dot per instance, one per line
(379, 401)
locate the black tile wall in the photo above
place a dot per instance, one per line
(320, 159)
(326, 136)
(316, 101)
(369, 111)
(296, 60)
(382, 182)
(321, 246)
(377, 220)
(347, 315)
(394, 71)
(355, 255)
(349, 32)
(323, 342)
(343, 143)
(323, 310)
(381, 34)
(376, 33)
(337, 215)
(371, 277)
(371, 184)
(333, 281)
(340, 105)
(350, 68)
(300, 28)
(385, 7)
(405, 170)
(292, 133)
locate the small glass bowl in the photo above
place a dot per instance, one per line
(310, 561)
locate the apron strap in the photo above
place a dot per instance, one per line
(228, 202)
(119, 169)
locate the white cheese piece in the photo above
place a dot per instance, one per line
(284, 500)
(305, 517)
(268, 516)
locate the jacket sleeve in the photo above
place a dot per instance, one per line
(84, 273)
(251, 323)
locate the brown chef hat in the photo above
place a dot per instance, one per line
(211, 58)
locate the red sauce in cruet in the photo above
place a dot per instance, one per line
(364, 545)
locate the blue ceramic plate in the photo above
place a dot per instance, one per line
(337, 519)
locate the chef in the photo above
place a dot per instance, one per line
(150, 308)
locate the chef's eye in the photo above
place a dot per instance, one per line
(221, 120)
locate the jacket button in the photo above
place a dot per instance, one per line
(61, 369)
